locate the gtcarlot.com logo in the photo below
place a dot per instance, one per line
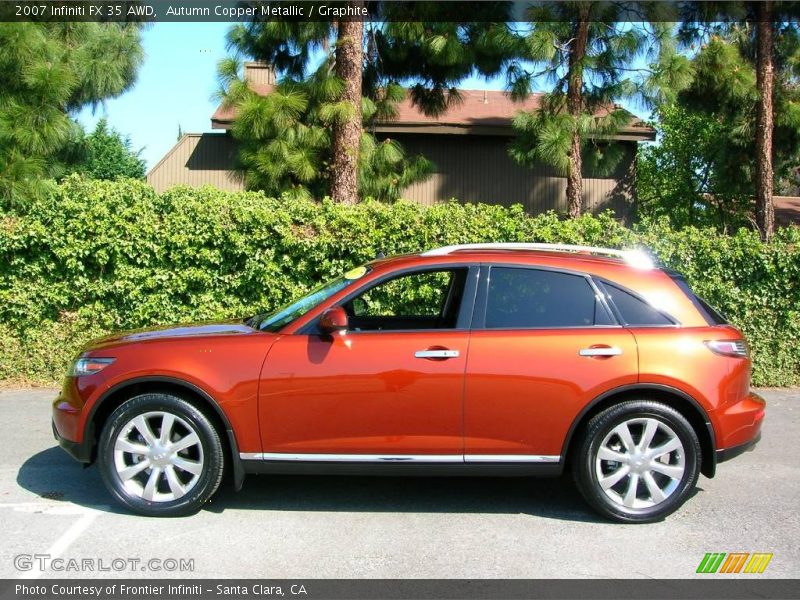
(734, 562)
(45, 562)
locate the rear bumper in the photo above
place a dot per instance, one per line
(729, 453)
(741, 427)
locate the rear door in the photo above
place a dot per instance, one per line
(543, 345)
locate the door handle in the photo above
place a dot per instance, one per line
(601, 351)
(436, 354)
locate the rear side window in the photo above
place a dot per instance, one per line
(710, 314)
(530, 298)
(633, 310)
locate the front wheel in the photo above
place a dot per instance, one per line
(637, 462)
(160, 456)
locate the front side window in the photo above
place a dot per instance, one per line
(530, 298)
(418, 300)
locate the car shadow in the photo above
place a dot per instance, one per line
(53, 475)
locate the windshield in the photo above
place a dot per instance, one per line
(294, 310)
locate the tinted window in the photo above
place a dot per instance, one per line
(711, 314)
(633, 310)
(521, 298)
(419, 300)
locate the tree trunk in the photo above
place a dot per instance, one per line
(347, 135)
(575, 108)
(765, 73)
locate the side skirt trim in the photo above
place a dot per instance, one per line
(400, 458)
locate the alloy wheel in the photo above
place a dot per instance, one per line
(640, 463)
(158, 456)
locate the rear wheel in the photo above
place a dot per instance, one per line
(160, 456)
(638, 461)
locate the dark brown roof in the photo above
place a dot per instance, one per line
(479, 112)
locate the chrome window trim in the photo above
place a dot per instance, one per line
(401, 458)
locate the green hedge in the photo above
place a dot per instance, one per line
(101, 256)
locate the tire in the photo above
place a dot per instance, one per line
(183, 468)
(638, 486)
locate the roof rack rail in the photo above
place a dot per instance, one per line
(635, 257)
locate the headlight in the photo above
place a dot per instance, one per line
(88, 366)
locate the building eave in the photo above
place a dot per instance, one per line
(626, 134)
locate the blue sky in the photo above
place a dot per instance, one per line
(175, 88)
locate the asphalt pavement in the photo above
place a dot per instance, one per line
(361, 527)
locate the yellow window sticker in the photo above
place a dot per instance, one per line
(356, 273)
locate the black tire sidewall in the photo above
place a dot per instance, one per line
(213, 455)
(601, 425)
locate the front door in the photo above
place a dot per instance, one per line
(390, 388)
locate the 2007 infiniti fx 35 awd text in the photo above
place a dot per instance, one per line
(498, 359)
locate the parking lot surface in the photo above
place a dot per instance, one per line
(361, 527)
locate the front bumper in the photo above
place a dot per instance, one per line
(71, 429)
(80, 451)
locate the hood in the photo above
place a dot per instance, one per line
(232, 327)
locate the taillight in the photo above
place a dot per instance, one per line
(737, 348)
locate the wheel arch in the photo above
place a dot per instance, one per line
(115, 396)
(690, 408)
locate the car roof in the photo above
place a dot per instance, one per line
(565, 256)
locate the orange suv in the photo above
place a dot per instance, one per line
(479, 359)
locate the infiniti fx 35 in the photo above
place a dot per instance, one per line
(481, 359)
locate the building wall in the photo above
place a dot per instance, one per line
(196, 160)
(468, 168)
(479, 169)
(787, 210)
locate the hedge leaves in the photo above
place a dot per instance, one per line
(97, 256)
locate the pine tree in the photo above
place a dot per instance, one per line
(47, 73)
(346, 134)
(299, 139)
(106, 154)
(745, 76)
(285, 138)
(586, 52)
(432, 57)
(765, 118)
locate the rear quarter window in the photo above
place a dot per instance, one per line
(710, 314)
(631, 309)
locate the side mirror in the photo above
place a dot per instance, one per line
(333, 320)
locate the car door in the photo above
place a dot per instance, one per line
(389, 388)
(544, 344)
